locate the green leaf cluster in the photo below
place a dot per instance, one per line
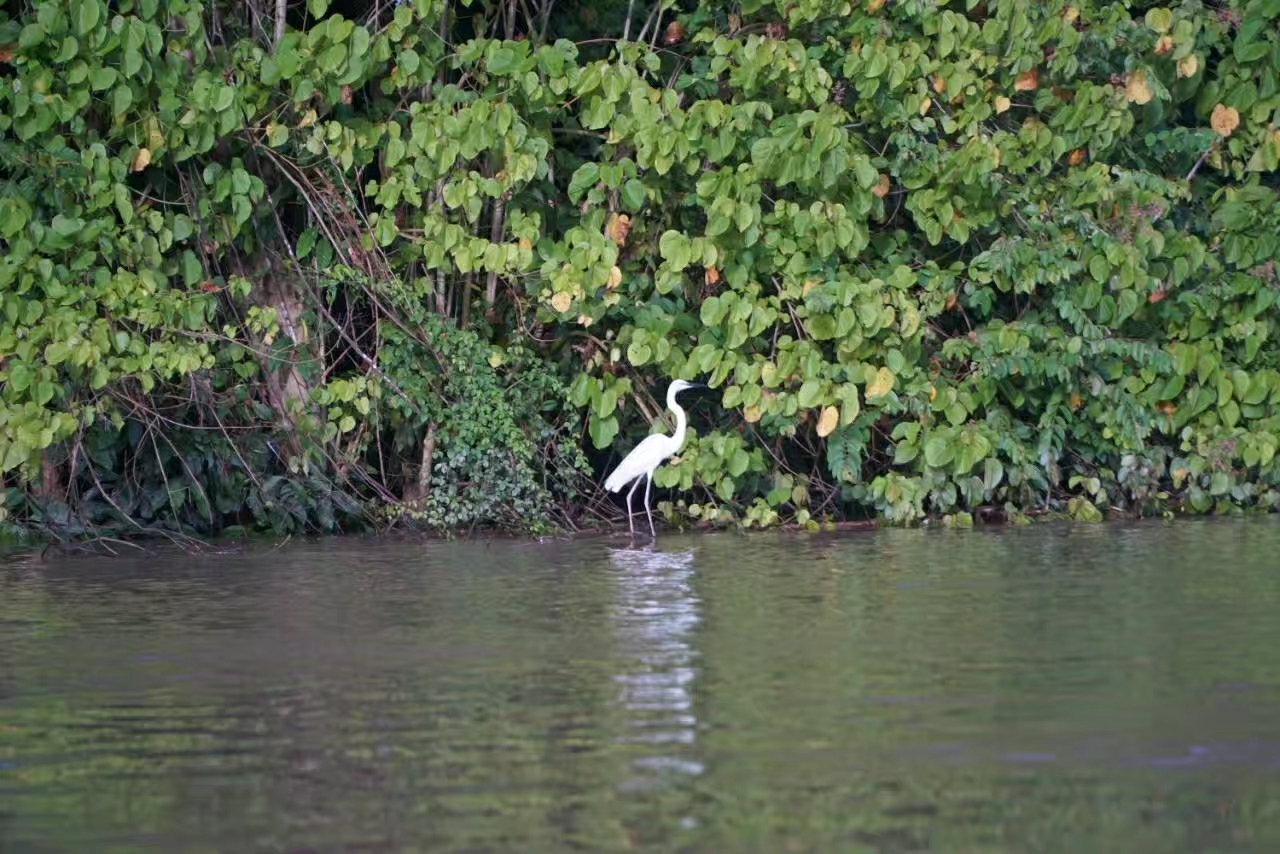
(985, 258)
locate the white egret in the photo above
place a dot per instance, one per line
(648, 455)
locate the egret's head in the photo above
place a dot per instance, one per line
(681, 385)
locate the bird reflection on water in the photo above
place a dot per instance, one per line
(655, 614)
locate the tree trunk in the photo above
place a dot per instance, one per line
(287, 389)
(417, 490)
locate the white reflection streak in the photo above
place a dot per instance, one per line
(655, 612)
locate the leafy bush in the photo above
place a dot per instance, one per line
(937, 258)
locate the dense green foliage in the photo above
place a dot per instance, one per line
(293, 273)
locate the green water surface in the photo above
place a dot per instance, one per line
(1051, 688)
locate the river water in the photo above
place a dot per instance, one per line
(1048, 688)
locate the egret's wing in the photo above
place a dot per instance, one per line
(643, 458)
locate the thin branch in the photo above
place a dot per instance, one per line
(657, 12)
(1196, 168)
(626, 29)
(282, 9)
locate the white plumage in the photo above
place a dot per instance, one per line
(648, 455)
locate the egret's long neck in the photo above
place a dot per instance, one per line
(681, 425)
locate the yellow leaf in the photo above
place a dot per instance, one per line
(881, 384)
(1002, 104)
(1026, 81)
(1164, 45)
(874, 6)
(1136, 88)
(939, 83)
(1224, 120)
(827, 421)
(561, 301)
(585, 320)
(808, 286)
(308, 119)
(751, 414)
(1188, 65)
(933, 392)
(525, 243)
(140, 160)
(615, 277)
(995, 154)
(924, 105)
(881, 189)
(1070, 14)
(710, 275)
(155, 138)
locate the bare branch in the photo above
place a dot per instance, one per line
(282, 9)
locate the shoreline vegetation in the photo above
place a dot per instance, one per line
(322, 267)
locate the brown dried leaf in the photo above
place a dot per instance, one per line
(710, 275)
(881, 189)
(1164, 45)
(1224, 120)
(617, 228)
(140, 160)
(874, 6)
(6, 53)
(1188, 65)
(561, 301)
(939, 84)
(1026, 81)
(674, 33)
(615, 277)
(1136, 88)
(1003, 104)
(1076, 157)
(525, 243)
